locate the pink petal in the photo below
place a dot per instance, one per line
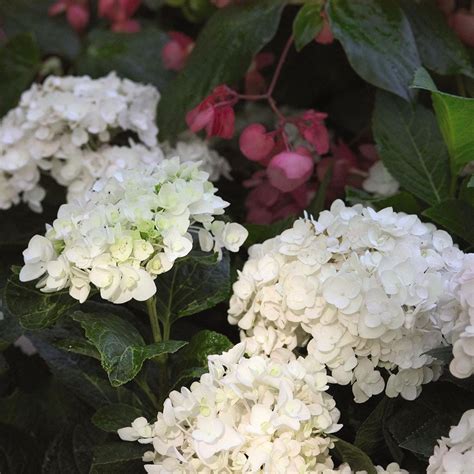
(287, 170)
(78, 16)
(255, 143)
(198, 119)
(462, 23)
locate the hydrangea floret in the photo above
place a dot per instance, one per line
(63, 118)
(456, 452)
(127, 230)
(380, 182)
(365, 291)
(257, 414)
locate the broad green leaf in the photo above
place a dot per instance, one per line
(53, 34)
(440, 48)
(411, 147)
(307, 24)
(400, 202)
(455, 118)
(378, 41)
(19, 63)
(455, 216)
(19, 453)
(195, 283)
(186, 376)
(259, 233)
(78, 346)
(223, 53)
(35, 309)
(369, 437)
(118, 457)
(202, 345)
(82, 375)
(352, 455)
(112, 417)
(120, 345)
(136, 57)
(470, 184)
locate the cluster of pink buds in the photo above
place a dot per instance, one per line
(460, 20)
(118, 12)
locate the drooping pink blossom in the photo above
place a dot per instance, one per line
(312, 128)
(254, 80)
(325, 36)
(289, 170)
(77, 12)
(119, 12)
(215, 113)
(176, 51)
(256, 143)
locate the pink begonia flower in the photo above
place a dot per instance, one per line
(119, 12)
(325, 36)
(256, 143)
(312, 128)
(77, 12)
(254, 80)
(462, 22)
(266, 204)
(289, 170)
(176, 51)
(215, 113)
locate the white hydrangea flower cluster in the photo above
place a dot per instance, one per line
(457, 321)
(190, 147)
(60, 119)
(127, 230)
(380, 182)
(246, 415)
(456, 452)
(364, 290)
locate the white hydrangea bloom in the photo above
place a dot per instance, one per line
(248, 415)
(456, 452)
(64, 118)
(192, 148)
(128, 229)
(380, 182)
(365, 291)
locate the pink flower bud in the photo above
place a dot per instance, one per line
(78, 16)
(288, 170)
(462, 22)
(325, 36)
(175, 53)
(255, 143)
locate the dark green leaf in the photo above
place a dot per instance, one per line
(112, 417)
(378, 41)
(259, 233)
(82, 375)
(443, 354)
(34, 309)
(195, 283)
(455, 118)
(454, 215)
(19, 63)
(18, 452)
(400, 202)
(222, 55)
(121, 347)
(440, 48)
(411, 147)
(369, 437)
(136, 57)
(470, 184)
(356, 458)
(186, 376)
(118, 458)
(202, 345)
(3, 364)
(78, 346)
(307, 24)
(53, 34)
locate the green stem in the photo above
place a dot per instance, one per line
(143, 384)
(153, 315)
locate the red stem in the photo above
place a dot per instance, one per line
(277, 72)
